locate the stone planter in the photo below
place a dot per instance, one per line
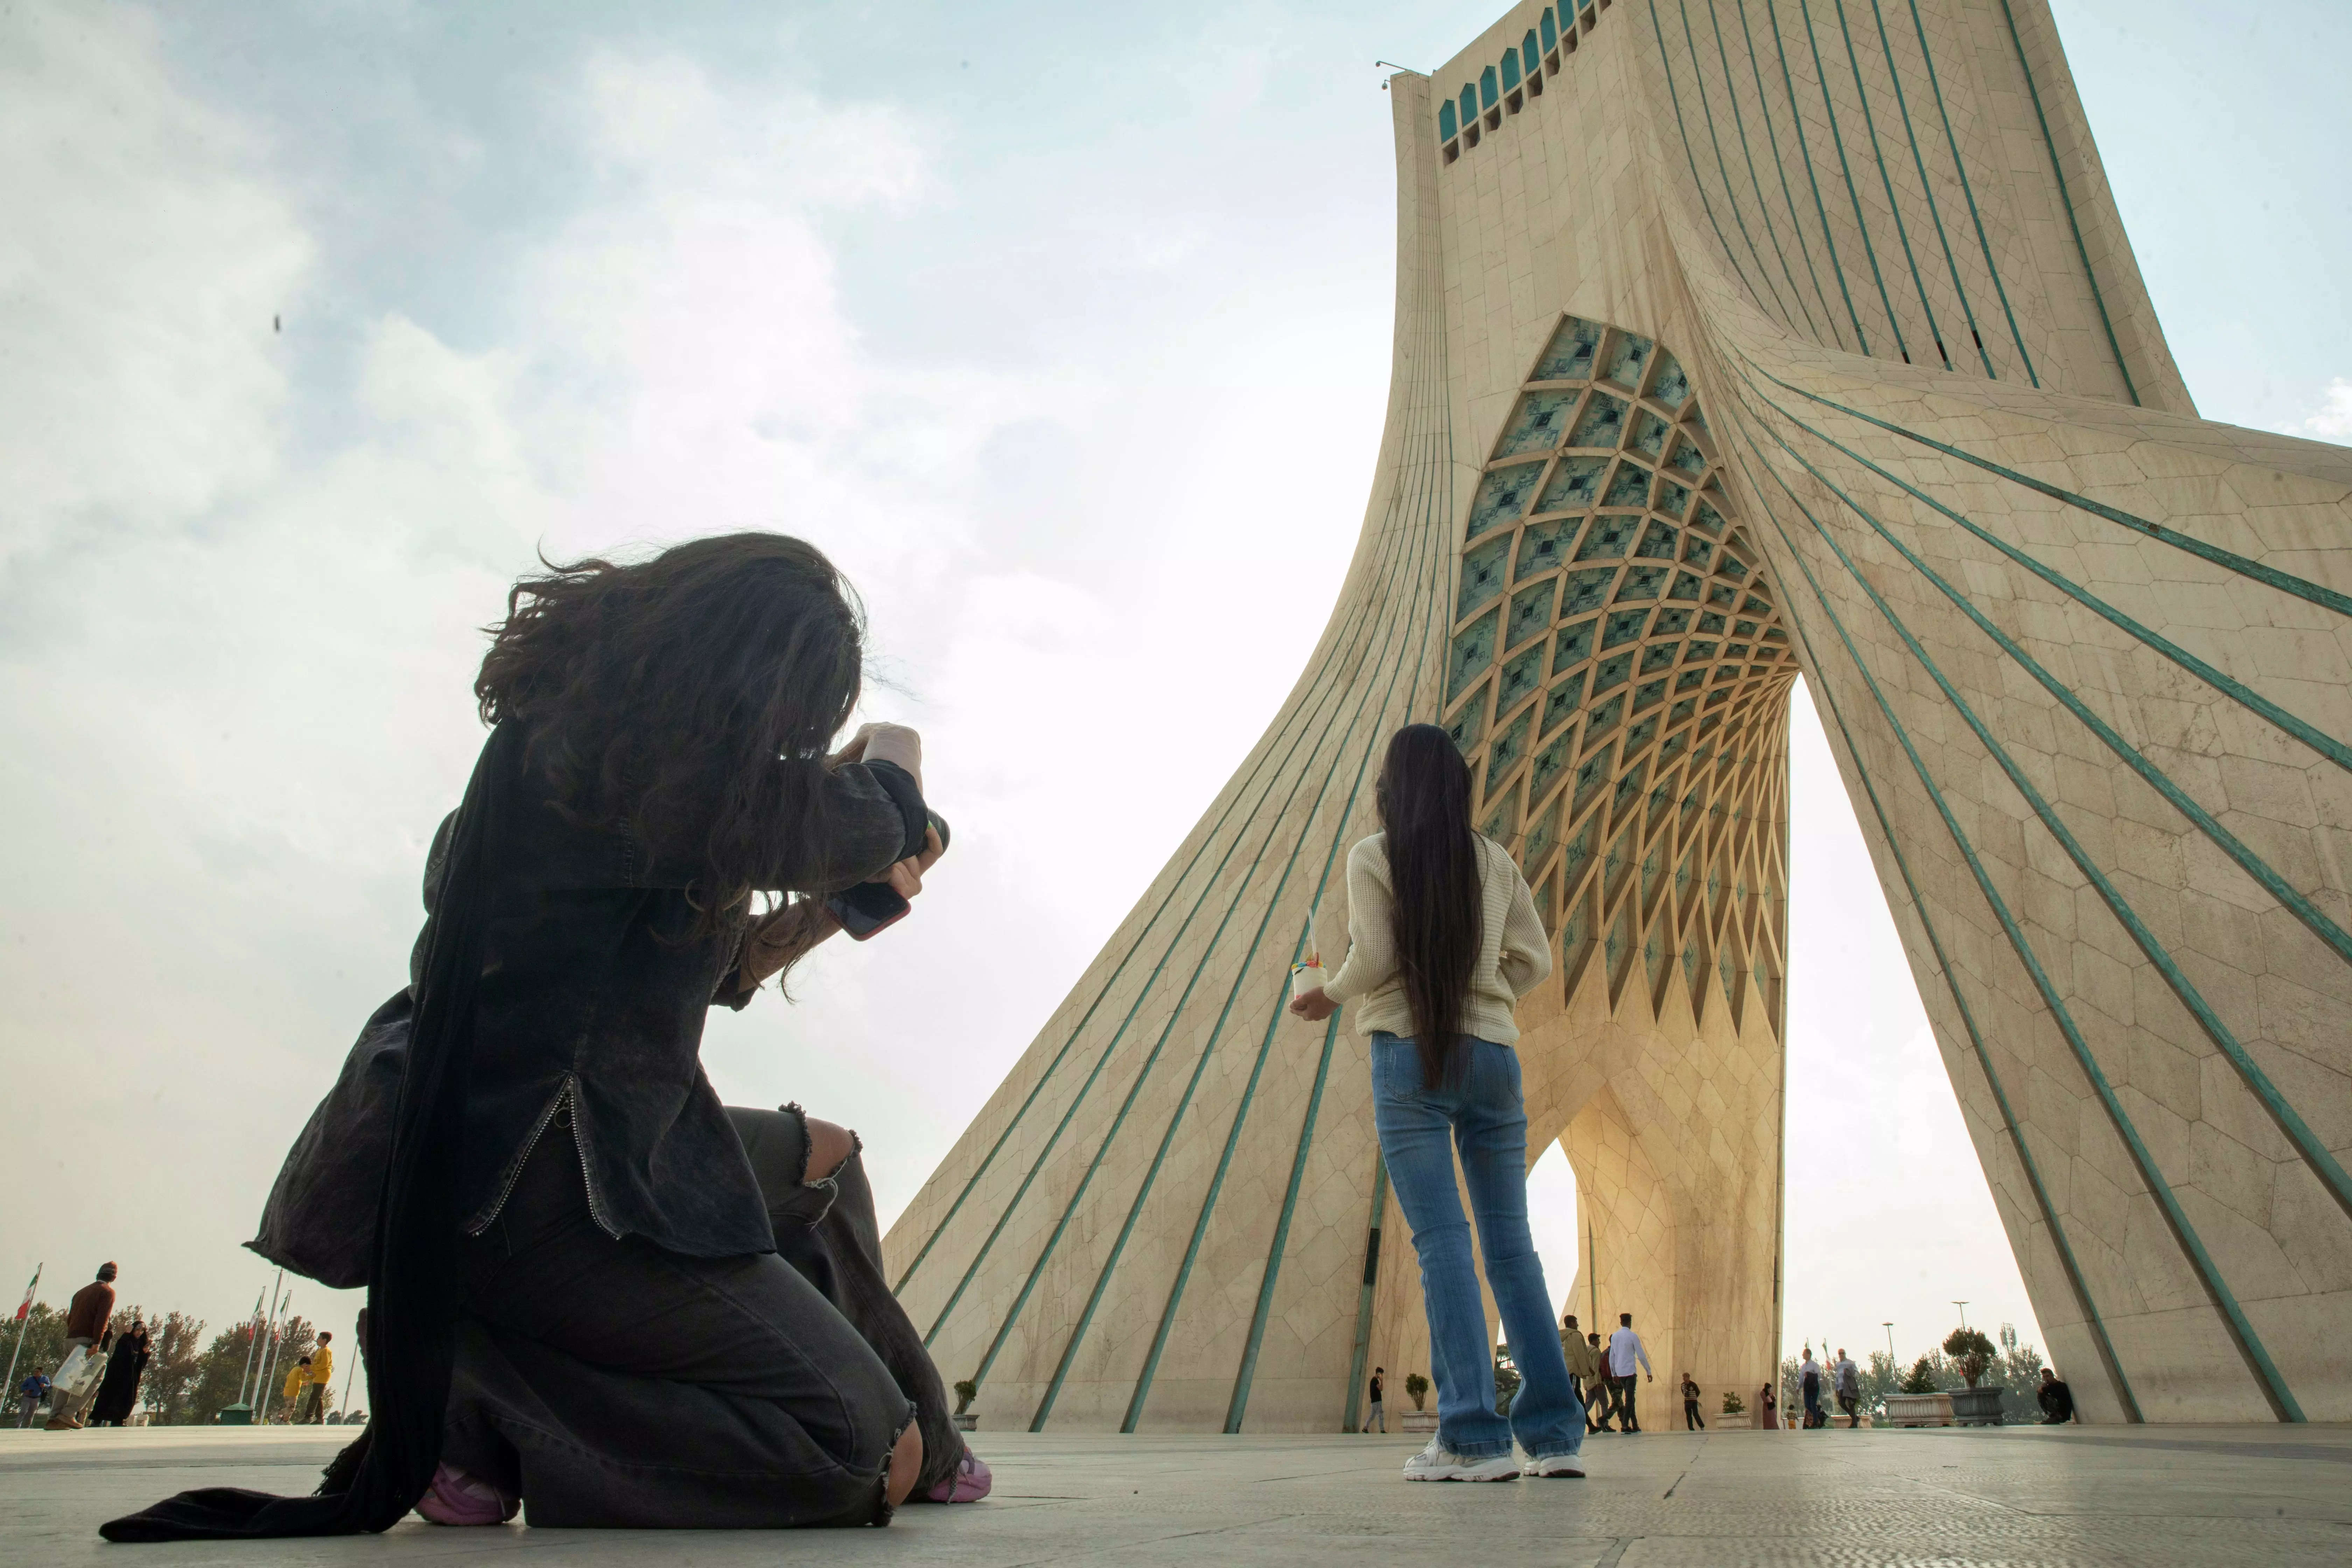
(1418, 1422)
(1922, 1409)
(965, 1421)
(1976, 1406)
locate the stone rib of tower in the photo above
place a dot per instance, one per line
(1737, 338)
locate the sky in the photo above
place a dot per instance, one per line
(1062, 328)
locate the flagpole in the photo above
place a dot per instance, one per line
(252, 1339)
(260, 1326)
(267, 1390)
(24, 1327)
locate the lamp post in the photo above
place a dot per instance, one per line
(1963, 1306)
(1889, 1327)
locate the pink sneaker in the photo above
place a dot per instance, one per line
(456, 1498)
(970, 1483)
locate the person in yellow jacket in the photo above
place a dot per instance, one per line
(297, 1378)
(313, 1408)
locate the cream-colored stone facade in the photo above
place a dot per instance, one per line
(1735, 340)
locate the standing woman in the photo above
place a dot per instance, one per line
(592, 1289)
(118, 1394)
(1444, 940)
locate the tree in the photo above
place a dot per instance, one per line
(2019, 1373)
(1971, 1350)
(1416, 1385)
(1876, 1381)
(175, 1361)
(1733, 1404)
(1921, 1378)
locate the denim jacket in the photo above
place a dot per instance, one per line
(595, 987)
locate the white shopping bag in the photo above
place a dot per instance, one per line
(72, 1371)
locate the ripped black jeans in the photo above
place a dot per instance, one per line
(612, 1383)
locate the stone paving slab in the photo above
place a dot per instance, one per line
(2104, 1496)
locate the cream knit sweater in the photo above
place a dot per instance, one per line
(1514, 954)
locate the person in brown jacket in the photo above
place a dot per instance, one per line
(1583, 1363)
(87, 1319)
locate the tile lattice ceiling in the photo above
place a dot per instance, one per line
(1618, 679)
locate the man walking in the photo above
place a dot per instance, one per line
(1380, 1411)
(1691, 1421)
(1809, 1379)
(1626, 1349)
(87, 1318)
(313, 1411)
(1583, 1366)
(1849, 1389)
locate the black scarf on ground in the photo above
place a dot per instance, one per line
(413, 1289)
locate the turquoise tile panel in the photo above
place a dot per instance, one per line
(1586, 589)
(1575, 484)
(1649, 434)
(1473, 651)
(1610, 537)
(1629, 486)
(1573, 645)
(1530, 612)
(1544, 546)
(1537, 423)
(1627, 354)
(1521, 675)
(1482, 575)
(1503, 496)
(1568, 356)
(1668, 384)
(1603, 420)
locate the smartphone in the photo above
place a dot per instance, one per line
(870, 907)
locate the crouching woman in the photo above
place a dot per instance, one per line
(592, 1289)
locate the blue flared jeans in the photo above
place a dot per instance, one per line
(1477, 1112)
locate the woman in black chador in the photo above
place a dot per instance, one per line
(593, 1291)
(125, 1365)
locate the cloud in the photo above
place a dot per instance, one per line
(2332, 421)
(140, 383)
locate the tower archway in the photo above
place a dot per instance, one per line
(1687, 397)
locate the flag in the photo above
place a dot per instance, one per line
(26, 1305)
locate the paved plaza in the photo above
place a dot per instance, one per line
(2174, 1495)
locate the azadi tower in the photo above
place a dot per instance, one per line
(1737, 340)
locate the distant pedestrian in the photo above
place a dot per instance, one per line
(1691, 1421)
(88, 1316)
(1767, 1409)
(1849, 1389)
(2056, 1399)
(1380, 1411)
(313, 1411)
(1583, 1365)
(1808, 1381)
(1625, 1350)
(30, 1393)
(125, 1365)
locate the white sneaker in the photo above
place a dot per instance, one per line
(1560, 1464)
(1435, 1463)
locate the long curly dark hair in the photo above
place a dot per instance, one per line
(1425, 802)
(689, 697)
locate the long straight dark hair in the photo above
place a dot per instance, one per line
(1424, 803)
